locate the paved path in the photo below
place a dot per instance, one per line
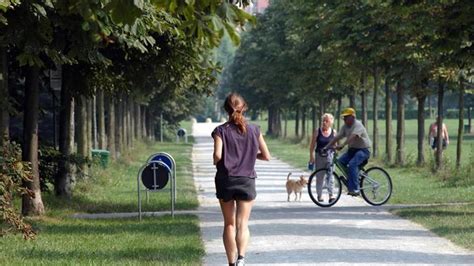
(300, 233)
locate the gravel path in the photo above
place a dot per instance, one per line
(300, 233)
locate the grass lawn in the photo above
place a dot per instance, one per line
(413, 185)
(154, 241)
(453, 222)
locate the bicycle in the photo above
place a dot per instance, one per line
(375, 183)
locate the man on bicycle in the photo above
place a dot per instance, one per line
(359, 148)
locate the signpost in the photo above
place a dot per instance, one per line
(154, 176)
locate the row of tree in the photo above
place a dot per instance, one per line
(138, 59)
(312, 54)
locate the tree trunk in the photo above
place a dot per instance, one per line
(95, 137)
(32, 205)
(130, 128)
(314, 118)
(274, 124)
(111, 127)
(388, 121)
(124, 124)
(297, 122)
(152, 127)
(439, 148)
(144, 119)
(461, 123)
(338, 113)
(118, 127)
(81, 118)
(66, 169)
(375, 137)
(469, 119)
(400, 159)
(138, 123)
(4, 97)
(90, 137)
(148, 123)
(285, 134)
(352, 101)
(303, 123)
(102, 137)
(421, 129)
(363, 99)
(430, 108)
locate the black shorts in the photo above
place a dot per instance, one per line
(235, 188)
(435, 144)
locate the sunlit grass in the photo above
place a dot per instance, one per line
(453, 222)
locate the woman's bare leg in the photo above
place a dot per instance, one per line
(228, 211)
(244, 209)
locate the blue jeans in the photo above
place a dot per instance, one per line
(352, 159)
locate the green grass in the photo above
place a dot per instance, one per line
(158, 240)
(162, 241)
(452, 222)
(412, 184)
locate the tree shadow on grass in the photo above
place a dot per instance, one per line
(183, 225)
(84, 204)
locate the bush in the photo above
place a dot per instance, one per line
(12, 174)
(49, 158)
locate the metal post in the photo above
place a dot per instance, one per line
(139, 197)
(172, 191)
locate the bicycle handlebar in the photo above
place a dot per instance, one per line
(324, 152)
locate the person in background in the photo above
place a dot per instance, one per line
(321, 137)
(359, 145)
(237, 145)
(433, 135)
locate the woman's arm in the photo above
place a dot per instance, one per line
(217, 155)
(313, 146)
(264, 154)
(446, 133)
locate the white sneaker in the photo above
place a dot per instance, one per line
(240, 262)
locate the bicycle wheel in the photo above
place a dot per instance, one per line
(330, 193)
(376, 186)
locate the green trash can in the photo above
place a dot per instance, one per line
(102, 156)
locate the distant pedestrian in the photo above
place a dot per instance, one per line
(433, 135)
(321, 137)
(237, 145)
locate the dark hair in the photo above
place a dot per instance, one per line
(235, 106)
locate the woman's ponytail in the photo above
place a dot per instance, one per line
(235, 106)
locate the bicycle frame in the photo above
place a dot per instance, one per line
(375, 182)
(333, 164)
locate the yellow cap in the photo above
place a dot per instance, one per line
(348, 111)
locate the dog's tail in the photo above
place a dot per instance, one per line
(288, 177)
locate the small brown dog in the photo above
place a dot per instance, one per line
(295, 186)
